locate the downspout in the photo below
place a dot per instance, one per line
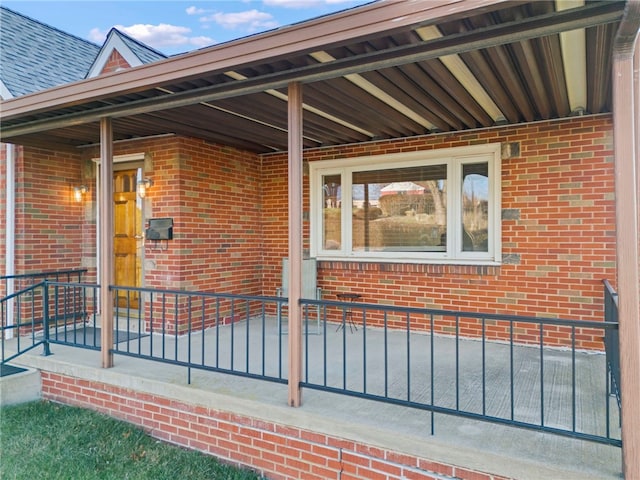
(625, 138)
(10, 231)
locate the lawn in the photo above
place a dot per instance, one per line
(43, 440)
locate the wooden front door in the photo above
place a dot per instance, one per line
(127, 241)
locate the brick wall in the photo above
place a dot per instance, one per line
(114, 63)
(558, 227)
(51, 232)
(230, 222)
(212, 193)
(274, 450)
(51, 228)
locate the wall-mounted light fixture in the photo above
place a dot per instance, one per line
(143, 186)
(79, 191)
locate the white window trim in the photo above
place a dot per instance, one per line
(454, 157)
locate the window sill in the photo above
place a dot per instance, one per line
(457, 267)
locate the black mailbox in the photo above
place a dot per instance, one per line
(159, 229)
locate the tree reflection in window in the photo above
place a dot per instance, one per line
(475, 207)
(332, 226)
(399, 209)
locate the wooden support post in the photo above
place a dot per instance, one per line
(105, 255)
(625, 92)
(295, 243)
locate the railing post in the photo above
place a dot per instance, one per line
(9, 289)
(45, 318)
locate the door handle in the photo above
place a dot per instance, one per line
(138, 237)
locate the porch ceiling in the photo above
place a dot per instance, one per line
(384, 70)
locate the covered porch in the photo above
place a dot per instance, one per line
(269, 120)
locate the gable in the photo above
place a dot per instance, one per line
(119, 52)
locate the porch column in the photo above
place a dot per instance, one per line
(105, 255)
(625, 92)
(295, 242)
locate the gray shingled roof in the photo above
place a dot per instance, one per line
(35, 56)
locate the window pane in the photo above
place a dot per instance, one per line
(400, 209)
(332, 203)
(475, 207)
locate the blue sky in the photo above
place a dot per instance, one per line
(175, 26)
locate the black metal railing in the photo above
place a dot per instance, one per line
(19, 325)
(24, 280)
(225, 333)
(44, 313)
(16, 296)
(72, 314)
(611, 339)
(526, 372)
(543, 374)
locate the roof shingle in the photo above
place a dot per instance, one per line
(35, 56)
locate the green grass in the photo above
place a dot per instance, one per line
(43, 440)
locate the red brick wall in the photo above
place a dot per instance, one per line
(115, 62)
(213, 195)
(558, 241)
(274, 450)
(230, 222)
(51, 228)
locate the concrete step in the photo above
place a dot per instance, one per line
(21, 387)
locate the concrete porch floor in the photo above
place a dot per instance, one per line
(506, 451)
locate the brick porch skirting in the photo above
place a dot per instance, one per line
(275, 450)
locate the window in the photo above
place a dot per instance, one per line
(430, 206)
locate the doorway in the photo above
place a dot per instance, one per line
(127, 236)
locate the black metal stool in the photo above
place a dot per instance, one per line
(348, 312)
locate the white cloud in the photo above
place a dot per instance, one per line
(157, 36)
(249, 20)
(201, 41)
(194, 11)
(96, 35)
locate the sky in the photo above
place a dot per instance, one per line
(174, 27)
